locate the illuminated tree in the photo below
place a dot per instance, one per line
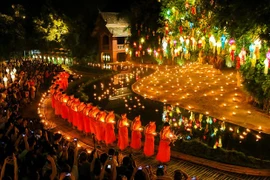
(53, 28)
(188, 32)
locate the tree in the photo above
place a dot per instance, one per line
(11, 36)
(53, 28)
(240, 17)
(144, 39)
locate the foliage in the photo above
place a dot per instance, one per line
(257, 84)
(241, 17)
(11, 35)
(53, 28)
(199, 149)
(143, 17)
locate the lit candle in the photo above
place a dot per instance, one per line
(13, 77)
(5, 79)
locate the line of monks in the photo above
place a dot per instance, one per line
(91, 120)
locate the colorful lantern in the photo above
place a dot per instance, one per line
(257, 48)
(223, 40)
(251, 50)
(232, 41)
(232, 49)
(266, 64)
(242, 56)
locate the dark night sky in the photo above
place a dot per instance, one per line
(71, 5)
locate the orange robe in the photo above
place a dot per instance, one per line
(74, 112)
(69, 104)
(123, 133)
(64, 79)
(92, 118)
(58, 98)
(80, 116)
(136, 134)
(164, 149)
(109, 129)
(64, 108)
(149, 142)
(100, 124)
(60, 83)
(86, 119)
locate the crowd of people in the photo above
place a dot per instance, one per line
(31, 152)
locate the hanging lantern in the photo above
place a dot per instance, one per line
(191, 25)
(218, 47)
(257, 44)
(180, 29)
(266, 62)
(223, 40)
(193, 10)
(232, 41)
(212, 41)
(232, 48)
(242, 56)
(199, 43)
(186, 5)
(251, 50)
(268, 55)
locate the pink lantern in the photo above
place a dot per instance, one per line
(268, 55)
(232, 41)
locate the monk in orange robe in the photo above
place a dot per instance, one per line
(69, 104)
(64, 108)
(58, 98)
(136, 128)
(149, 142)
(65, 80)
(109, 130)
(100, 125)
(164, 149)
(92, 116)
(123, 132)
(80, 122)
(86, 119)
(74, 112)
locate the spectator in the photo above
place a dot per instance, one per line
(84, 167)
(162, 173)
(126, 169)
(179, 175)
